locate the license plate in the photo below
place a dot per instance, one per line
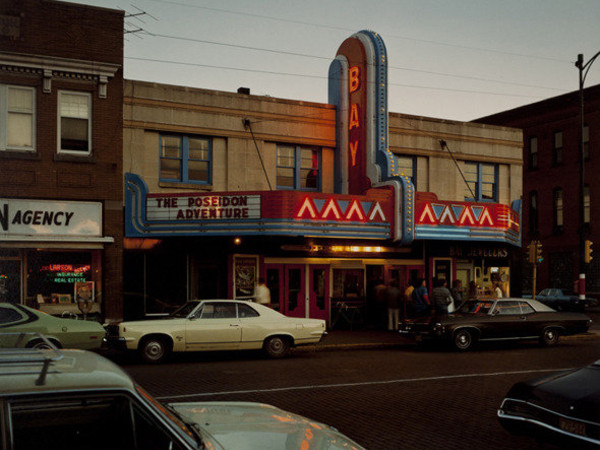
(571, 426)
(418, 338)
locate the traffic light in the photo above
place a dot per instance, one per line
(538, 252)
(531, 252)
(588, 251)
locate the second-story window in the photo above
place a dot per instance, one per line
(185, 159)
(558, 209)
(74, 122)
(586, 142)
(407, 166)
(533, 152)
(298, 168)
(482, 181)
(17, 118)
(558, 147)
(533, 212)
(586, 204)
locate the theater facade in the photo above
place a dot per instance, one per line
(321, 200)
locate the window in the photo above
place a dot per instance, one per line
(185, 159)
(481, 182)
(219, 311)
(17, 118)
(558, 147)
(586, 204)
(9, 315)
(298, 168)
(74, 123)
(507, 308)
(533, 152)
(533, 212)
(558, 208)
(526, 308)
(407, 166)
(586, 142)
(245, 311)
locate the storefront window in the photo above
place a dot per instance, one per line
(348, 283)
(61, 277)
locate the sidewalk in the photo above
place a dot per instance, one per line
(364, 338)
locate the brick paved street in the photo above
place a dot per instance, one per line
(387, 398)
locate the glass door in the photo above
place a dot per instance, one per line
(274, 277)
(318, 292)
(294, 301)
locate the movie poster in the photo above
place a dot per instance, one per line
(245, 273)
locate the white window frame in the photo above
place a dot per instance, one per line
(88, 95)
(4, 88)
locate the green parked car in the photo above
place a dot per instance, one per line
(63, 333)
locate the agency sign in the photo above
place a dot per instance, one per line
(20, 217)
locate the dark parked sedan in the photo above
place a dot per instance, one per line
(563, 407)
(498, 319)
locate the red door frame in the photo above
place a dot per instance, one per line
(314, 310)
(300, 309)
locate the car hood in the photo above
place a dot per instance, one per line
(240, 425)
(575, 393)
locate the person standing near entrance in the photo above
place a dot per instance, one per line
(420, 298)
(393, 298)
(262, 294)
(441, 298)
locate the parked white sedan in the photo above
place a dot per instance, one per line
(208, 325)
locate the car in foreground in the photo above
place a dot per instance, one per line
(75, 399)
(63, 333)
(498, 319)
(562, 408)
(209, 325)
(557, 299)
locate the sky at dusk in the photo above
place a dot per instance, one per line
(449, 59)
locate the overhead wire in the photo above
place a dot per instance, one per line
(346, 29)
(325, 58)
(184, 63)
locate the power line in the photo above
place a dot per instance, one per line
(345, 29)
(290, 74)
(304, 55)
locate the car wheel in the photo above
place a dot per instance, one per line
(154, 350)
(463, 340)
(42, 345)
(549, 337)
(277, 346)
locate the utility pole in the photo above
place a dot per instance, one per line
(583, 71)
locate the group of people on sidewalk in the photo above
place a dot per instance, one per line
(415, 301)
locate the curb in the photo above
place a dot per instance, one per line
(407, 341)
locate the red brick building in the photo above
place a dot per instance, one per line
(61, 122)
(551, 184)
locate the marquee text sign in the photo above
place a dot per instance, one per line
(50, 218)
(202, 207)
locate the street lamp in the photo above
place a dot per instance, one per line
(583, 71)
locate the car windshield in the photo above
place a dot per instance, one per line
(476, 307)
(184, 310)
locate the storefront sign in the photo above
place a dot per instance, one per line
(203, 207)
(478, 252)
(49, 218)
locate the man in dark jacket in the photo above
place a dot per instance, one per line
(440, 298)
(420, 298)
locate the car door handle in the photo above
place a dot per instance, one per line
(234, 325)
(523, 318)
